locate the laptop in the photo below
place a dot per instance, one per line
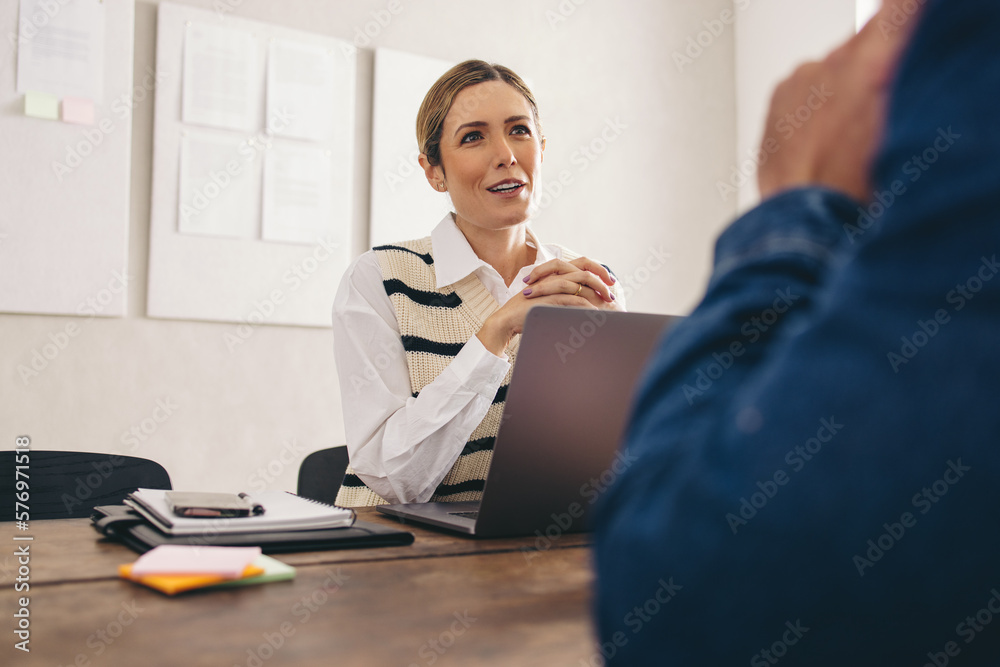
(557, 448)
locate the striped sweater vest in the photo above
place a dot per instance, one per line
(435, 324)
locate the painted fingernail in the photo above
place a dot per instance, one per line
(527, 278)
(613, 280)
(612, 295)
(526, 292)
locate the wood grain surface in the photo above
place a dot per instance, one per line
(445, 600)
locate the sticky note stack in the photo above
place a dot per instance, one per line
(173, 569)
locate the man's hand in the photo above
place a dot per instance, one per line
(846, 94)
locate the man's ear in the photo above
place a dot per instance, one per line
(434, 175)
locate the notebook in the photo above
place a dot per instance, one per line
(283, 512)
(556, 450)
(123, 524)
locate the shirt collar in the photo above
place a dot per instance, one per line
(454, 258)
(542, 253)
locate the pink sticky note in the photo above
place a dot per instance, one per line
(78, 110)
(183, 559)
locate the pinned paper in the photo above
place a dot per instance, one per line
(41, 105)
(297, 195)
(223, 78)
(219, 186)
(78, 110)
(60, 47)
(228, 562)
(302, 81)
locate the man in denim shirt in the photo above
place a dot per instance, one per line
(817, 465)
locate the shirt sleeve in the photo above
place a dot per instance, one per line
(402, 446)
(789, 435)
(701, 438)
(812, 462)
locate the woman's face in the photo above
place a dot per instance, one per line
(491, 155)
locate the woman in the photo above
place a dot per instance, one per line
(426, 331)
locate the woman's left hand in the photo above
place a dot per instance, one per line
(582, 278)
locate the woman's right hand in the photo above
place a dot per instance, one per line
(552, 289)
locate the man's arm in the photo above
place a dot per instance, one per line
(830, 498)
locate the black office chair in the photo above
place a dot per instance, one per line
(68, 485)
(321, 474)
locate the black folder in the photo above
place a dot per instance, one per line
(122, 524)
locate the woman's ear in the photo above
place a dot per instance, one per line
(541, 154)
(434, 174)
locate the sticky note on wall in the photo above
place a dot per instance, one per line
(41, 105)
(78, 110)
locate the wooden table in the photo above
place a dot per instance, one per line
(445, 600)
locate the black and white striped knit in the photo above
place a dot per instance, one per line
(435, 324)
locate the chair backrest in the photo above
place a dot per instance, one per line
(68, 485)
(321, 474)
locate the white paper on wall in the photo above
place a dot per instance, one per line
(298, 195)
(61, 48)
(301, 82)
(223, 82)
(219, 185)
(403, 204)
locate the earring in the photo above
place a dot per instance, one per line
(441, 187)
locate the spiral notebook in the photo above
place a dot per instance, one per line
(283, 512)
(121, 523)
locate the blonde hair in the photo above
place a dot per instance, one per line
(438, 101)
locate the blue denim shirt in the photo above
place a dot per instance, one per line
(817, 471)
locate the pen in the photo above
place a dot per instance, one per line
(258, 509)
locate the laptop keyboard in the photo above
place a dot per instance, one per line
(467, 515)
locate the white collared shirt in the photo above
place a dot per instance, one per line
(401, 446)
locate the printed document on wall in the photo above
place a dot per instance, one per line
(61, 48)
(223, 81)
(298, 195)
(301, 80)
(219, 186)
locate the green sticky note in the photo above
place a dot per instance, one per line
(41, 105)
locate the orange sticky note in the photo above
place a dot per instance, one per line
(171, 584)
(41, 105)
(78, 110)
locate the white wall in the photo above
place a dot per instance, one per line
(645, 203)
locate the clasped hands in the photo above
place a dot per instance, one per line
(585, 282)
(581, 282)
